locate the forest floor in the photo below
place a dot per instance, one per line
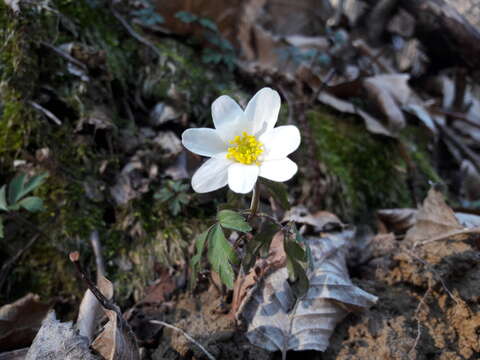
(94, 97)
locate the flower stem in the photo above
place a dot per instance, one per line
(255, 200)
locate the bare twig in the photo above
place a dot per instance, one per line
(191, 339)
(448, 235)
(135, 34)
(65, 55)
(429, 268)
(419, 326)
(46, 112)
(106, 303)
(454, 138)
(8, 265)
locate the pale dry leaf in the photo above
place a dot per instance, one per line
(390, 92)
(116, 341)
(91, 310)
(321, 220)
(57, 340)
(397, 220)
(20, 322)
(434, 218)
(277, 321)
(372, 124)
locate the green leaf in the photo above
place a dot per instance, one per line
(221, 255)
(278, 191)
(163, 195)
(265, 236)
(31, 203)
(3, 200)
(33, 183)
(200, 241)
(300, 284)
(15, 188)
(295, 251)
(209, 24)
(175, 207)
(186, 17)
(232, 220)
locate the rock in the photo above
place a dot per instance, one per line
(162, 113)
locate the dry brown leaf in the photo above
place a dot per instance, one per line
(277, 321)
(434, 218)
(20, 322)
(246, 284)
(116, 341)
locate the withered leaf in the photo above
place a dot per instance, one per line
(20, 321)
(434, 218)
(276, 320)
(116, 341)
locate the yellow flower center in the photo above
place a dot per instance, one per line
(245, 149)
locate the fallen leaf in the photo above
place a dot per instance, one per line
(277, 321)
(321, 220)
(14, 355)
(246, 284)
(116, 341)
(390, 92)
(397, 221)
(57, 340)
(20, 322)
(371, 123)
(434, 218)
(90, 309)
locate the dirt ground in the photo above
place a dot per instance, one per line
(427, 309)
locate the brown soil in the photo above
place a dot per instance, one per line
(427, 309)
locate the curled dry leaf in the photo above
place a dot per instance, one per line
(90, 309)
(321, 220)
(276, 320)
(20, 321)
(245, 284)
(116, 341)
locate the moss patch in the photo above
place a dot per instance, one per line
(370, 170)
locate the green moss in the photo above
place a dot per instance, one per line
(370, 170)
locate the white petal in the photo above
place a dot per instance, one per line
(242, 178)
(278, 170)
(227, 117)
(280, 142)
(212, 175)
(262, 111)
(203, 141)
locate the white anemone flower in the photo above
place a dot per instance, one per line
(244, 145)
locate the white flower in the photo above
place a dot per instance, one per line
(244, 144)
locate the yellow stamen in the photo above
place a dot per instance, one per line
(245, 149)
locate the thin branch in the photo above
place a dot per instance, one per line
(106, 303)
(158, 322)
(448, 235)
(46, 112)
(65, 55)
(135, 34)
